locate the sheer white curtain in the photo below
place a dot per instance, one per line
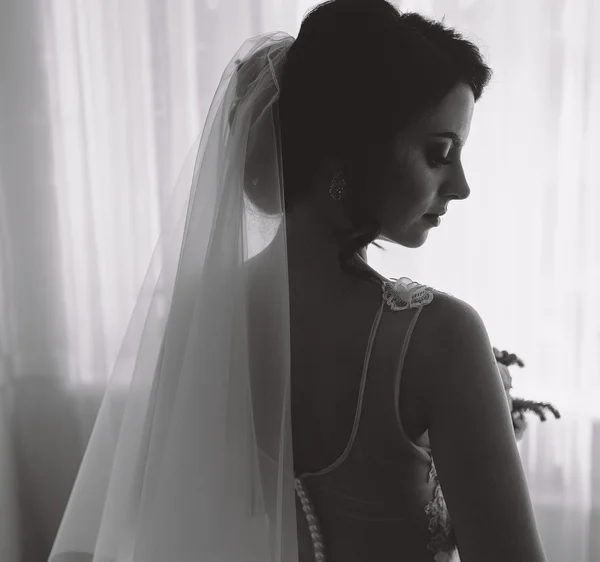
(99, 102)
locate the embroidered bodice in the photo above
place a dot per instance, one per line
(398, 294)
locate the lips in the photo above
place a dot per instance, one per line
(433, 219)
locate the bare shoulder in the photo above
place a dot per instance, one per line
(444, 318)
(449, 323)
(472, 439)
(446, 310)
(456, 354)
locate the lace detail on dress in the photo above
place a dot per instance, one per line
(404, 293)
(443, 541)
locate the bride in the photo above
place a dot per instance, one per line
(276, 326)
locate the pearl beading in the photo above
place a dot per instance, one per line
(313, 523)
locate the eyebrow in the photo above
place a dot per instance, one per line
(449, 135)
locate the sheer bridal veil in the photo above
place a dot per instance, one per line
(190, 458)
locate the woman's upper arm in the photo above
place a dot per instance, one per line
(473, 443)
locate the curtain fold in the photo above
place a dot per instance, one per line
(100, 102)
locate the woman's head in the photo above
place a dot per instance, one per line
(424, 172)
(363, 87)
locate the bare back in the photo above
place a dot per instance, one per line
(329, 340)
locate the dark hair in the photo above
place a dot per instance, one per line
(358, 72)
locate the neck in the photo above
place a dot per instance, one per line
(313, 257)
(312, 247)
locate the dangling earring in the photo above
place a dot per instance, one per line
(336, 188)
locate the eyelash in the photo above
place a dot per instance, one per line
(439, 162)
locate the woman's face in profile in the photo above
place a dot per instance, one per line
(426, 172)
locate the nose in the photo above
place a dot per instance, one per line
(458, 187)
(463, 191)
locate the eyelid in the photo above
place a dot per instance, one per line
(441, 155)
(436, 159)
(446, 146)
(441, 161)
(450, 147)
(456, 141)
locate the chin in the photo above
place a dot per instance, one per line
(414, 241)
